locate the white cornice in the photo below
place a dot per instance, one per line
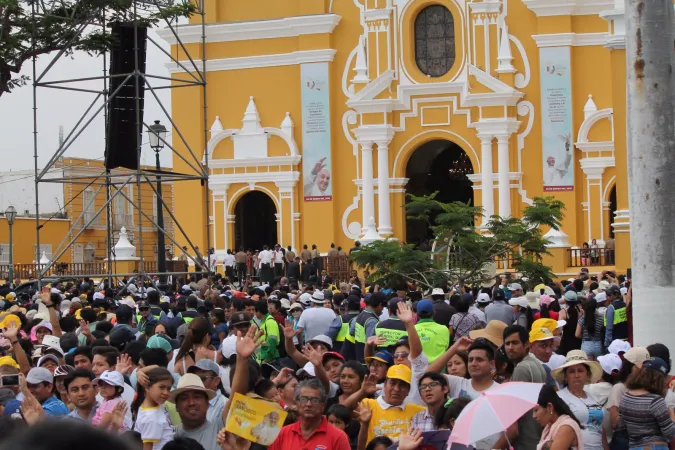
(252, 62)
(222, 181)
(271, 161)
(374, 133)
(570, 39)
(543, 8)
(258, 29)
(602, 146)
(496, 127)
(377, 14)
(485, 7)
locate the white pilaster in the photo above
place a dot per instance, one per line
(383, 199)
(367, 191)
(487, 190)
(504, 182)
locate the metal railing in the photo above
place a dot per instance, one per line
(584, 257)
(31, 271)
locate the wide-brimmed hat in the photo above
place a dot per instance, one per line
(573, 358)
(493, 332)
(190, 382)
(318, 297)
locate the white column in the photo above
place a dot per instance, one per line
(367, 191)
(384, 210)
(504, 182)
(486, 178)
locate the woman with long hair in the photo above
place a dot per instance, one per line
(590, 327)
(458, 365)
(547, 309)
(562, 429)
(643, 411)
(570, 314)
(196, 346)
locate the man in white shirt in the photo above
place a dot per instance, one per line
(278, 258)
(229, 262)
(265, 258)
(317, 319)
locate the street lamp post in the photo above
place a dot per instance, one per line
(10, 214)
(157, 136)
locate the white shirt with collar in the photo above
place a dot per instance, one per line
(228, 260)
(265, 257)
(278, 257)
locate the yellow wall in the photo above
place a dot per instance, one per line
(25, 238)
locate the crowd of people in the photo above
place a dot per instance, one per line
(352, 366)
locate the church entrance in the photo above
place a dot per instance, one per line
(441, 166)
(255, 222)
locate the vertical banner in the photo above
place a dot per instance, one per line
(556, 118)
(316, 160)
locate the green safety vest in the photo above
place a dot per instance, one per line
(435, 338)
(392, 335)
(188, 319)
(360, 328)
(620, 316)
(343, 334)
(268, 352)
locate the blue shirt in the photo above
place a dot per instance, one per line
(55, 407)
(215, 339)
(74, 415)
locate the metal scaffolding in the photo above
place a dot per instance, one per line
(114, 181)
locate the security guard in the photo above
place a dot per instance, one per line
(435, 337)
(144, 316)
(616, 316)
(364, 326)
(391, 329)
(339, 329)
(191, 313)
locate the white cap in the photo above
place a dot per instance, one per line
(305, 298)
(111, 377)
(515, 287)
(97, 296)
(285, 303)
(437, 291)
(601, 297)
(483, 298)
(309, 369)
(561, 323)
(610, 363)
(618, 346)
(624, 290)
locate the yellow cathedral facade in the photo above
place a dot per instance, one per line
(323, 114)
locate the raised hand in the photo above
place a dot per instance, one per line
(283, 376)
(410, 440)
(369, 385)
(289, 332)
(376, 341)
(312, 355)
(229, 441)
(363, 414)
(11, 332)
(405, 313)
(124, 364)
(84, 328)
(118, 414)
(31, 409)
(463, 344)
(246, 345)
(318, 166)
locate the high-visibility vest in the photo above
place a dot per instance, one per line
(392, 330)
(346, 320)
(359, 334)
(188, 316)
(435, 338)
(620, 322)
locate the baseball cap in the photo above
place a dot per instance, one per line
(514, 287)
(636, 355)
(238, 318)
(305, 298)
(382, 356)
(39, 375)
(656, 364)
(285, 304)
(571, 296)
(205, 364)
(328, 355)
(483, 298)
(124, 313)
(47, 357)
(498, 294)
(393, 303)
(614, 290)
(601, 297)
(618, 346)
(623, 290)
(540, 334)
(308, 369)
(121, 335)
(158, 341)
(437, 291)
(425, 308)
(111, 377)
(610, 363)
(323, 339)
(400, 372)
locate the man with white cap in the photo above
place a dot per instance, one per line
(315, 320)
(478, 309)
(40, 384)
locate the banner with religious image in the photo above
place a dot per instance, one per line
(316, 149)
(556, 118)
(258, 421)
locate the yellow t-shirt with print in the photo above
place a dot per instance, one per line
(390, 422)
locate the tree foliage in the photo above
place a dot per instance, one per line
(463, 254)
(35, 27)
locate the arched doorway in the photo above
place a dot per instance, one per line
(255, 223)
(441, 166)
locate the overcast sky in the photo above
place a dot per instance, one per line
(59, 107)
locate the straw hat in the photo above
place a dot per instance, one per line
(190, 382)
(493, 332)
(575, 357)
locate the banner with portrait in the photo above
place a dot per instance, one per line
(556, 118)
(258, 421)
(316, 149)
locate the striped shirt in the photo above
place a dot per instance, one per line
(646, 418)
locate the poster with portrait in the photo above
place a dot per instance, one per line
(258, 421)
(316, 151)
(556, 118)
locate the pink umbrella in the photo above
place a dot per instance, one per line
(494, 411)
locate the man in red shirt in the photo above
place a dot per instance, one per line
(312, 431)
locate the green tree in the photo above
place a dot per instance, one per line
(32, 28)
(463, 254)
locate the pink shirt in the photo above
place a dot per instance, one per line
(107, 407)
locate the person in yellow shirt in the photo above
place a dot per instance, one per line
(390, 415)
(435, 337)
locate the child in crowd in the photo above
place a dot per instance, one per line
(152, 419)
(110, 387)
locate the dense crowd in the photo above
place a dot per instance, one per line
(332, 367)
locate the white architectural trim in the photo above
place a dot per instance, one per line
(456, 138)
(591, 120)
(621, 221)
(476, 177)
(259, 61)
(544, 8)
(571, 39)
(222, 181)
(270, 161)
(257, 29)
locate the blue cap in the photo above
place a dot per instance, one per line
(383, 356)
(425, 308)
(656, 364)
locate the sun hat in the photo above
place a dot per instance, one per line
(575, 357)
(656, 364)
(111, 377)
(295, 306)
(48, 357)
(307, 369)
(285, 304)
(400, 372)
(493, 332)
(305, 298)
(610, 363)
(382, 356)
(618, 346)
(600, 297)
(540, 334)
(205, 364)
(322, 338)
(39, 375)
(521, 302)
(190, 382)
(437, 291)
(318, 297)
(636, 355)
